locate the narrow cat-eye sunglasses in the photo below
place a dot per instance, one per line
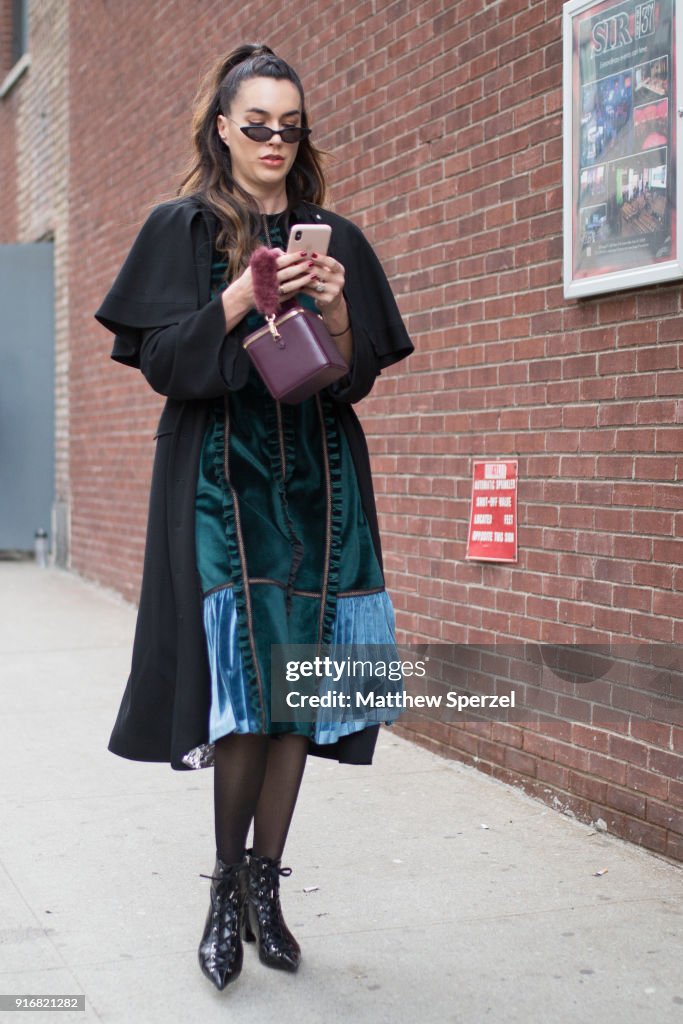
(262, 133)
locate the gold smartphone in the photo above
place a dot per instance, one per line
(309, 238)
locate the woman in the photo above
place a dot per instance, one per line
(262, 523)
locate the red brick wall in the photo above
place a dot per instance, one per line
(445, 124)
(8, 112)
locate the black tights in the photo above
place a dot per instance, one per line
(256, 778)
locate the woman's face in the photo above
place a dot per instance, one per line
(261, 167)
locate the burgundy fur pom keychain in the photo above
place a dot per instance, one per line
(263, 265)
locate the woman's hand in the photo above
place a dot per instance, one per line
(321, 277)
(328, 286)
(293, 274)
(328, 292)
(238, 299)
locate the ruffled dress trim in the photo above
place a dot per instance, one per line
(333, 482)
(281, 450)
(239, 572)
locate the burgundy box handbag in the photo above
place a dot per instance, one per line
(294, 353)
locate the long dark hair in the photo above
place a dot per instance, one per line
(209, 173)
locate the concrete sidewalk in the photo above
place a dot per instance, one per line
(420, 915)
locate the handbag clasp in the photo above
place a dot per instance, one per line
(272, 327)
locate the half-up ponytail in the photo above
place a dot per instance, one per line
(209, 173)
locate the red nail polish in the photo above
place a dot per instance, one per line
(310, 263)
(314, 255)
(303, 254)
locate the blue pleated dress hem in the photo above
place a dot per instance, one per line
(363, 619)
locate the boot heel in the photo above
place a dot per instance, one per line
(247, 933)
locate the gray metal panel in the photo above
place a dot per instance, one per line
(27, 392)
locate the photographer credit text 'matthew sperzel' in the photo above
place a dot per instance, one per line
(458, 683)
(360, 683)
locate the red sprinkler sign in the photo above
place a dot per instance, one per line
(492, 534)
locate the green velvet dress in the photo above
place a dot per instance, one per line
(284, 550)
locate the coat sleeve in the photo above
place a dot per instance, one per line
(155, 313)
(379, 334)
(194, 357)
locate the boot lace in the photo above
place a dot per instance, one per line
(225, 918)
(265, 888)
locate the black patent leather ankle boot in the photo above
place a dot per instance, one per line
(220, 950)
(263, 920)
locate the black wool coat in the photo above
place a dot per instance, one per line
(166, 325)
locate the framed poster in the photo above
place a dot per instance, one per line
(621, 139)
